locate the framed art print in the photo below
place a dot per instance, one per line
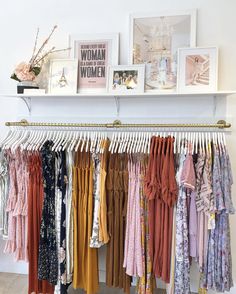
(154, 41)
(197, 70)
(95, 53)
(127, 79)
(63, 76)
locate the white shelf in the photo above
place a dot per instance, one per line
(120, 95)
(27, 98)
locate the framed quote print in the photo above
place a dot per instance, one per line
(95, 53)
(154, 41)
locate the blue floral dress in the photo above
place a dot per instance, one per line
(218, 269)
(182, 264)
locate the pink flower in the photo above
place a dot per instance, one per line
(23, 72)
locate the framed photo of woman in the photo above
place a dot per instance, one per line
(197, 70)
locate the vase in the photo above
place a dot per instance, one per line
(21, 86)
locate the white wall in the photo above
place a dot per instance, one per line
(19, 20)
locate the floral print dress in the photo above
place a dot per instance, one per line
(4, 187)
(218, 269)
(62, 183)
(94, 240)
(182, 264)
(48, 259)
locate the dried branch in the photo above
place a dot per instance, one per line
(43, 45)
(37, 62)
(35, 46)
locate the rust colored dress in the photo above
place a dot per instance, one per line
(161, 190)
(35, 204)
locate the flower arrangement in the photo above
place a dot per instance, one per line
(28, 71)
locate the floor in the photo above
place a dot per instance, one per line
(18, 284)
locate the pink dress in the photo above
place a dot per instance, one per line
(133, 247)
(10, 245)
(17, 206)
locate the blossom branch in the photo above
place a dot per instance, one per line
(43, 45)
(35, 46)
(37, 62)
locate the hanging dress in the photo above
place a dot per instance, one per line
(48, 259)
(186, 188)
(218, 269)
(133, 247)
(4, 188)
(35, 205)
(62, 182)
(94, 239)
(117, 195)
(69, 218)
(85, 258)
(103, 229)
(145, 284)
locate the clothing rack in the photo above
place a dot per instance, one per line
(221, 124)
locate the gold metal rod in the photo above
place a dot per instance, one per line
(117, 124)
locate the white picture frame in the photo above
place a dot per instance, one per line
(197, 70)
(95, 52)
(154, 41)
(63, 76)
(126, 79)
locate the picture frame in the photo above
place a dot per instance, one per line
(154, 41)
(197, 70)
(63, 75)
(95, 53)
(127, 79)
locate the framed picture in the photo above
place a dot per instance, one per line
(95, 53)
(126, 79)
(154, 41)
(63, 76)
(198, 69)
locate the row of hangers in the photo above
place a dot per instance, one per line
(125, 141)
(185, 142)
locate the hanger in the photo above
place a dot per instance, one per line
(145, 135)
(56, 139)
(224, 141)
(22, 140)
(12, 139)
(149, 143)
(39, 139)
(132, 147)
(121, 142)
(73, 141)
(83, 142)
(66, 140)
(127, 133)
(87, 142)
(112, 142)
(79, 141)
(116, 145)
(140, 142)
(36, 139)
(14, 144)
(6, 138)
(131, 143)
